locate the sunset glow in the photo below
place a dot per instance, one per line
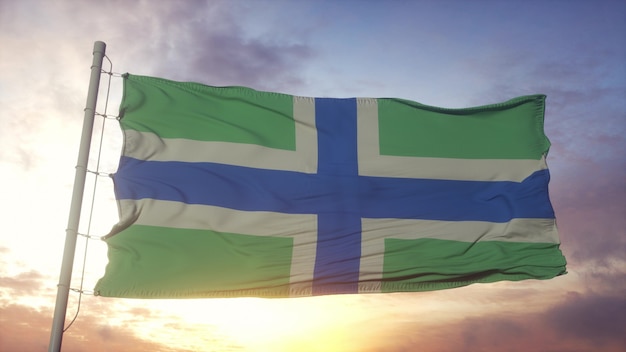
(452, 53)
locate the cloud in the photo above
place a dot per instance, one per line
(25, 323)
(588, 201)
(27, 329)
(26, 283)
(206, 42)
(581, 322)
(600, 320)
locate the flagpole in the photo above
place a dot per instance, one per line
(63, 288)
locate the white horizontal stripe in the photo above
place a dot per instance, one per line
(371, 163)
(375, 231)
(149, 146)
(301, 227)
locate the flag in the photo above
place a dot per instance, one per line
(229, 192)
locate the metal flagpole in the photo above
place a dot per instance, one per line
(63, 288)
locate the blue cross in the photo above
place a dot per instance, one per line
(336, 193)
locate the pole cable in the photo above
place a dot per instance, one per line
(97, 174)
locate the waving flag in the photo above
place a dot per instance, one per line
(228, 191)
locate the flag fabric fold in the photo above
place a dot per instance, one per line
(229, 192)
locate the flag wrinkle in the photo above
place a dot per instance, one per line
(231, 192)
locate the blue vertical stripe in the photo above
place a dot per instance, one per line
(339, 232)
(335, 120)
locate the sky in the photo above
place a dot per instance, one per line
(444, 53)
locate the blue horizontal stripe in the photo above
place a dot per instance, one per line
(253, 189)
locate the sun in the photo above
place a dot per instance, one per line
(256, 324)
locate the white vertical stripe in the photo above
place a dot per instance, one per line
(306, 134)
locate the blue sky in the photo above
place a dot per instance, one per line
(445, 53)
